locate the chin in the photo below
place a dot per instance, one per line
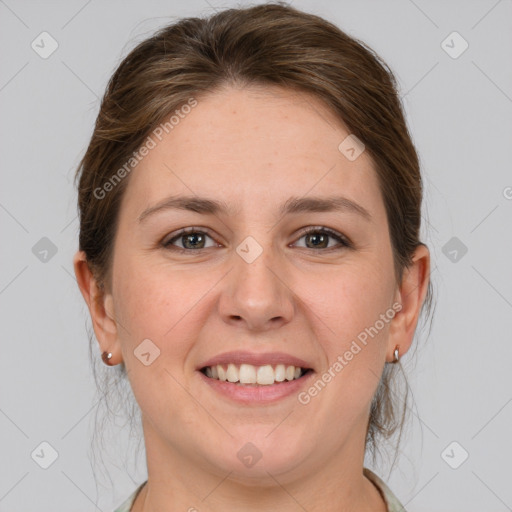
(256, 462)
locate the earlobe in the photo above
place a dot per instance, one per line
(411, 295)
(100, 304)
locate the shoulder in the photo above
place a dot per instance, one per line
(391, 500)
(127, 504)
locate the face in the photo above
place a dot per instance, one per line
(265, 268)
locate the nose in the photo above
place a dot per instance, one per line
(256, 294)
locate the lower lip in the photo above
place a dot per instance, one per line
(257, 394)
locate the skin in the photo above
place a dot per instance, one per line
(254, 148)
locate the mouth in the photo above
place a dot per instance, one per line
(251, 379)
(249, 375)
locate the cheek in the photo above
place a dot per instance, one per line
(156, 305)
(161, 303)
(355, 298)
(356, 311)
(148, 301)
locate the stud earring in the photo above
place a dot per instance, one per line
(106, 356)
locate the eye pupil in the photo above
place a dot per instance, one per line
(318, 237)
(194, 238)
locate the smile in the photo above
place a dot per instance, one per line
(254, 393)
(248, 374)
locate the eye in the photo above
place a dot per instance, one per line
(194, 239)
(190, 239)
(318, 238)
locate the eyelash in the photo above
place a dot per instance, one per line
(344, 242)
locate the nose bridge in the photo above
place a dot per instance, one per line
(257, 294)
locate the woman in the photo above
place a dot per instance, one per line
(250, 207)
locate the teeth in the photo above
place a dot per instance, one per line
(221, 372)
(232, 373)
(265, 375)
(280, 373)
(248, 374)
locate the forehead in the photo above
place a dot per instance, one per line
(253, 145)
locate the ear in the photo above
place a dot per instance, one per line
(100, 306)
(410, 295)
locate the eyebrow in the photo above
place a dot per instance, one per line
(208, 206)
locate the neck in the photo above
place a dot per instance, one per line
(175, 482)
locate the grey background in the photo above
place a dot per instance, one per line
(460, 114)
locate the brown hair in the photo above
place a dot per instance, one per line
(269, 44)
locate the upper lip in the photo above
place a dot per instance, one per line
(239, 357)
